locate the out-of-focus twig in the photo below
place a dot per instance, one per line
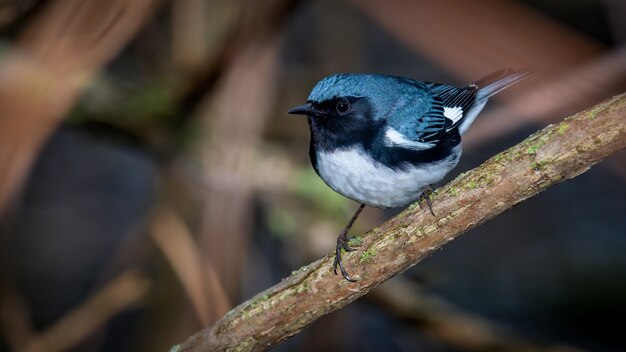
(15, 324)
(577, 89)
(235, 120)
(43, 74)
(472, 38)
(121, 293)
(449, 324)
(258, 22)
(189, 35)
(173, 239)
(552, 155)
(13, 12)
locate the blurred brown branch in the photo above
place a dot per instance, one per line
(15, 323)
(181, 250)
(554, 154)
(450, 324)
(233, 130)
(258, 22)
(227, 98)
(44, 73)
(577, 89)
(233, 117)
(189, 32)
(119, 294)
(481, 36)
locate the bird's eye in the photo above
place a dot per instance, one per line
(343, 106)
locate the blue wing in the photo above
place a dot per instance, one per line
(426, 112)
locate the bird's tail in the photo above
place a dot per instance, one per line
(497, 81)
(488, 86)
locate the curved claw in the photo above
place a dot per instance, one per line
(339, 262)
(342, 243)
(346, 247)
(425, 196)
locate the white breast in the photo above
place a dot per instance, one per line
(354, 174)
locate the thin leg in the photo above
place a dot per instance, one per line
(428, 190)
(342, 243)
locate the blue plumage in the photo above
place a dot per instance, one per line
(383, 140)
(397, 100)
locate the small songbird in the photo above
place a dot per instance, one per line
(384, 140)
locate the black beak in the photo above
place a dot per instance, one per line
(306, 109)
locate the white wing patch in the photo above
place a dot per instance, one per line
(393, 138)
(454, 114)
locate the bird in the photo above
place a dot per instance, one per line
(384, 140)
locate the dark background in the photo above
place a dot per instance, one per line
(176, 186)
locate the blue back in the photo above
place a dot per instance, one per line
(404, 104)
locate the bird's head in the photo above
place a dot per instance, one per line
(344, 105)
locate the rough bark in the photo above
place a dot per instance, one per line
(552, 155)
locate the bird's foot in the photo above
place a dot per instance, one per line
(425, 196)
(342, 243)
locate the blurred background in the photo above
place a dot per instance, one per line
(150, 179)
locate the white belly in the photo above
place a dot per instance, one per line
(354, 174)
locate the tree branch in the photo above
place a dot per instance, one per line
(554, 154)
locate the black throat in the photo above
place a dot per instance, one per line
(328, 136)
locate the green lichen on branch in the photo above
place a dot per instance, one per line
(368, 254)
(536, 144)
(355, 241)
(539, 165)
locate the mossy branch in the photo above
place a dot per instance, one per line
(554, 154)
